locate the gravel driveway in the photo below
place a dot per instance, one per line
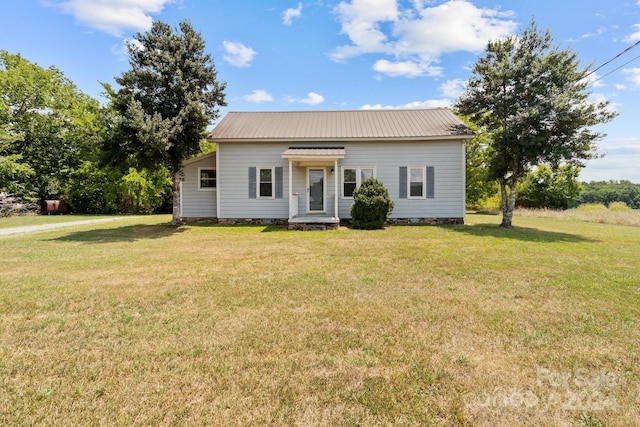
(44, 227)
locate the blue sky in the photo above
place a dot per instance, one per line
(349, 54)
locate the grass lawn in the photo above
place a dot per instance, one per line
(137, 323)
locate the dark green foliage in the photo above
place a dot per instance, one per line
(479, 185)
(48, 122)
(550, 189)
(532, 98)
(607, 192)
(16, 177)
(111, 190)
(371, 205)
(166, 101)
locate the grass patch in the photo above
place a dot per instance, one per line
(616, 214)
(138, 323)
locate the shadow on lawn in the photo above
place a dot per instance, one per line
(524, 234)
(129, 233)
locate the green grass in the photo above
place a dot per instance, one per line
(137, 323)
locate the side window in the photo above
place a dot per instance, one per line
(349, 182)
(352, 178)
(416, 182)
(265, 183)
(207, 179)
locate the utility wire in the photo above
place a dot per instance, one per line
(614, 70)
(613, 59)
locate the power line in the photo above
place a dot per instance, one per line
(613, 59)
(614, 70)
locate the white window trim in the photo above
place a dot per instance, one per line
(358, 177)
(424, 182)
(200, 187)
(273, 182)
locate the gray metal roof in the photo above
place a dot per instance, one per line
(339, 125)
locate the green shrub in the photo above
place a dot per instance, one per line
(371, 205)
(592, 207)
(619, 206)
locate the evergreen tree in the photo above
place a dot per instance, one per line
(165, 102)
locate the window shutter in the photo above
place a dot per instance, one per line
(278, 182)
(430, 182)
(403, 182)
(252, 183)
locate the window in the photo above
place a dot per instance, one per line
(265, 183)
(417, 179)
(207, 179)
(352, 178)
(417, 182)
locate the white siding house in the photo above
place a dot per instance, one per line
(302, 167)
(199, 188)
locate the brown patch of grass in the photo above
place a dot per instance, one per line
(137, 323)
(598, 213)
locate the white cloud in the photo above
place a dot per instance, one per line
(597, 98)
(113, 16)
(312, 98)
(634, 37)
(405, 68)
(633, 75)
(238, 54)
(291, 13)
(620, 86)
(419, 33)
(598, 32)
(453, 88)
(121, 51)
(431, 103)
(258, 95)
(594, 80)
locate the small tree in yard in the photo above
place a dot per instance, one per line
(533, 100)
(167, 99)
(371, 205)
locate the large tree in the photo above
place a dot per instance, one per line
(46, 125)
(165, 101)
(532, 97)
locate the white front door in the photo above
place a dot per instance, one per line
(316, 190)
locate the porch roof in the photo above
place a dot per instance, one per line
(314, 155)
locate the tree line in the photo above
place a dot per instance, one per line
(122, 157)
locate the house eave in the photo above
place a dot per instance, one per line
(342, 140)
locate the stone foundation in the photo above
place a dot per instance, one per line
(200, 220)
(252, 221)
(425, 221)
(312, 226)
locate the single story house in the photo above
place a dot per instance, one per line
(300, 168)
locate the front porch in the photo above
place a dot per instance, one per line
(313, 187)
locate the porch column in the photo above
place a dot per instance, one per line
(335, 182)
(290, 190)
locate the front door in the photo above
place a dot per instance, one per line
(315, 190)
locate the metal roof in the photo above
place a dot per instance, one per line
(340, 126)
